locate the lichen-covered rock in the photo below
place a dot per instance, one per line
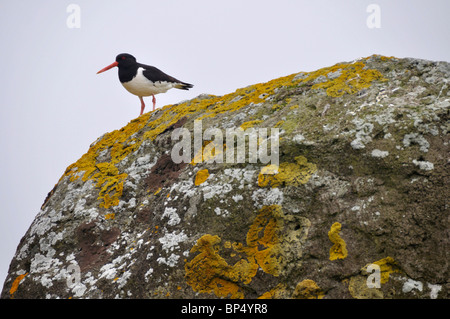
(355, 207)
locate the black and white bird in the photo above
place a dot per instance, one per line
(144, 80)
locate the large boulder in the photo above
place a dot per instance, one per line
(350, 201)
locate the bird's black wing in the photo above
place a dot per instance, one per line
(155, 74)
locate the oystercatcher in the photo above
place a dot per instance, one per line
(144, 80)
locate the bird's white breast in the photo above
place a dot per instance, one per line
(141, 86)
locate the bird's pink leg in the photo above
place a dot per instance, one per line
(154, 102)
(142, 105)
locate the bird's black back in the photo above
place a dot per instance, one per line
(128, 67)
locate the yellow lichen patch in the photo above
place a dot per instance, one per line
(289, 174)
(263, 239)
(351, 78)
(387, 266)
(276, 293)
(201, 177)
(110, 216)
(209, 272)
(251, 94)
(308, 289)
(198, 157)
(206, 271)
(357, 286)
(115, 146)
(208, 152)
(16, 283)
(268, 170)
(249, 124)
(386, 58)
(279, 123)
(276, 107)
(339, 249)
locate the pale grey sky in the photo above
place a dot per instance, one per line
(54, 105)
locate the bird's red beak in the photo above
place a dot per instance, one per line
(108, 67)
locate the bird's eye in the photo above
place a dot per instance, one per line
(123, 58)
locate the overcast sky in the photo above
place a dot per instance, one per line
(53, 105)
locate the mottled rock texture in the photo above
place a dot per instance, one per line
(362, 185)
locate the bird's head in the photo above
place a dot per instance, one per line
(122, 60)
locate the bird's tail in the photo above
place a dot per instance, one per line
(184, 86)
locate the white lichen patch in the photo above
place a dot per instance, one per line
(171, 261)
(411, 285)
(171, 214)
(424, 165)
(237, 198)
(298, 138)
(434, 290)
(221, 212)
(185, 187)
(78, 289)
(45, 269)
(41, 263)
(108, 271)
(140, 167)
(124, 205)
(122, 280)
(267, 196)
(148, 274)
(170, 241)
(210, 191)
(379, 154)
(23, 252)
(219, 186)
(415, 138)
(45, 222)
(363, 133)
(243, 176)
